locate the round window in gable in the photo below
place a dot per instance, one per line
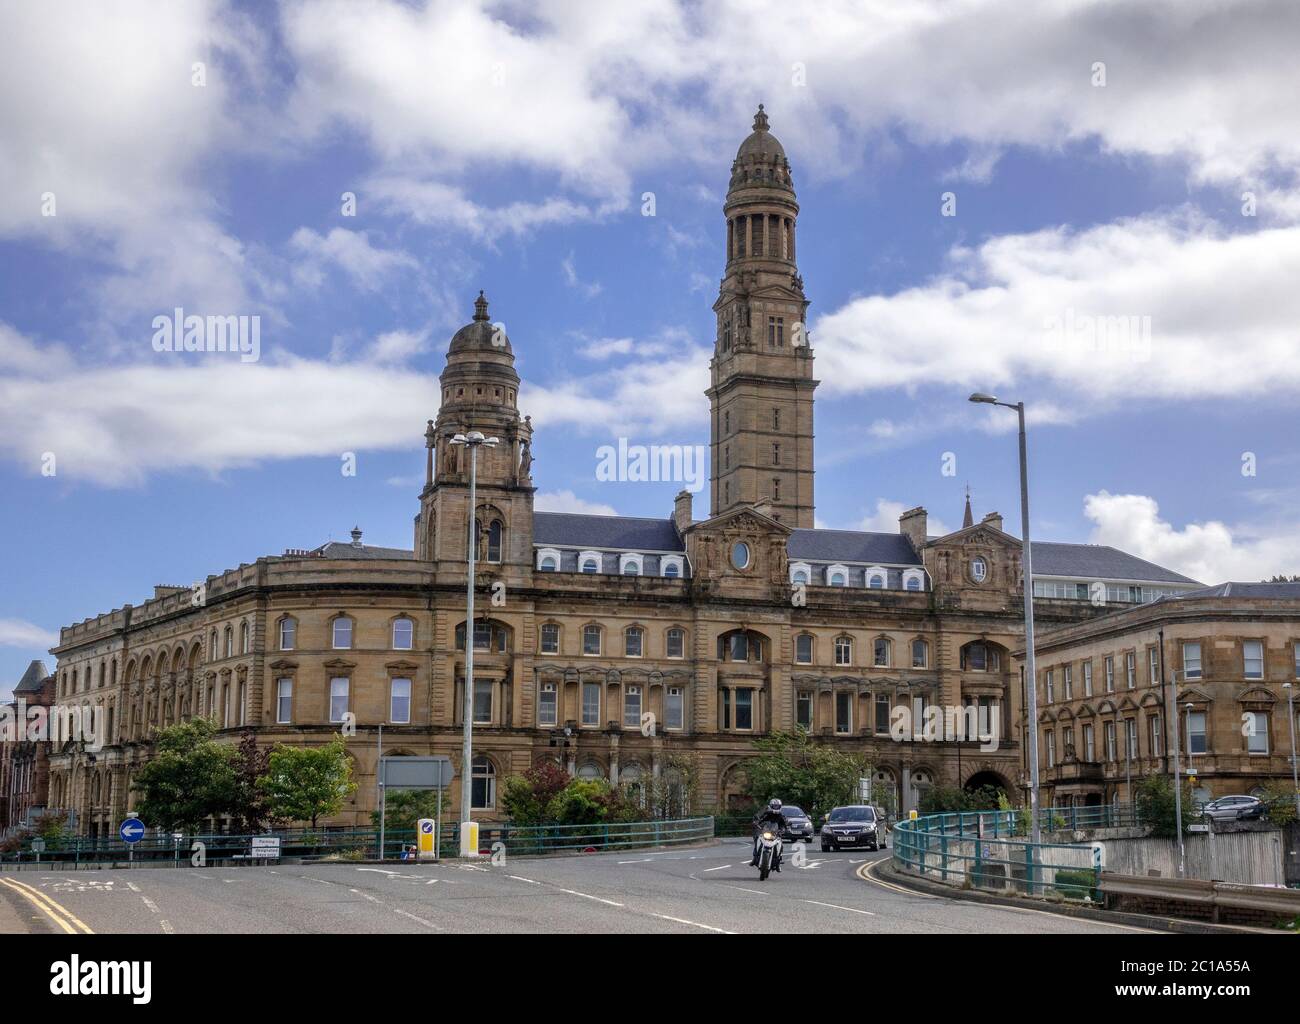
(979, 569)
(740, 555)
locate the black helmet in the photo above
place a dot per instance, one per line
(774, 804)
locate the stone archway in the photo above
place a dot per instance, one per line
(986, 777)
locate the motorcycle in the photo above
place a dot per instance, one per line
(769, 852)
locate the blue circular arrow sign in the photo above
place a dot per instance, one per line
(132, 830)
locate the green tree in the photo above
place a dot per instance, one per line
(791, 767)
(249, 811)
(308, 783)
(1154, 799)
(1279, 798)
(405, 807)
(191, 778)
(527, 796)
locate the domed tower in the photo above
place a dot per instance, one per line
(761, 387)
(480, 391)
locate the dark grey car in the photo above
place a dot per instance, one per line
(1234, 808)
(855, 825)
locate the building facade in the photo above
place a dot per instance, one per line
(24, 758)
(607, 643)
(1212, 671)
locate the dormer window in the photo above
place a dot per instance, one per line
(589, 561)
(913, 579)
(800, 572)
(837, 576)
(548, 560)
(671, 566)
(629, 565)
(877, 578)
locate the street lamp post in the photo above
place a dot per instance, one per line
(1290, 725)
(1027, 565)
(473, 440)
(1178, 773)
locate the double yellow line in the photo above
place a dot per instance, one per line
(57, 913)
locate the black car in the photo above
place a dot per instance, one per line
(798, 827)
(856, 825)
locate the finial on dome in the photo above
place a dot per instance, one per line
(760, 120)
(480, 307)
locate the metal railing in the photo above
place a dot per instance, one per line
(991, 850)
(174, 849)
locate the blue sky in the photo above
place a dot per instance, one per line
(508, 148)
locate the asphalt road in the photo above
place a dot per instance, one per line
(707, 889)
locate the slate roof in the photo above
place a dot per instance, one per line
(1098, 561)
(343, 549)
(852, 546)
(571, 529)
(31, 681)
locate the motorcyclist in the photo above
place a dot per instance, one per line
(769, 815)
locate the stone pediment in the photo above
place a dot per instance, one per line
(745, 518)
(1256, 695)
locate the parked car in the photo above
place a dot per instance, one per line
(1234, 808)
(798, 826)
(855, 825)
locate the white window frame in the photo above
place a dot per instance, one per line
(800, 567)
(1087, 678)
(831, 570)
(491, 701)
(600, 635)
(629, 693)
(1259, 728)
(843, 643)
(334, 632)
(393, 631)
(543, 703)
(668, 651)
(586, 556)
(545, 553)
(914, 574)
(283, 693)
(876, 572)
(631, 559)
(292, 624)
(347, 696)
(675, 696)
(582, 697)
(1187, 672)
(639, 631)
(541, 643)
(666, 560)
(1247, 645)
(392, 699)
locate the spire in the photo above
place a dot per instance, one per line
(760, 120)
(480, 307)
(967, 519)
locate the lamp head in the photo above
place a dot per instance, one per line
(979, 396)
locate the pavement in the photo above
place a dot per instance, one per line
(700, 890)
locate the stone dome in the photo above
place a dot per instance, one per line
(479, 333)
(761, 160)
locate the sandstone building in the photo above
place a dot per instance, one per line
(723, 626)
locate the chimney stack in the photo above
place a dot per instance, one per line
(912, 524)
(682, 511)
(356, 536)
(993, 519)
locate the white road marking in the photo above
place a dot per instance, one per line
(520, 878)
(132, 886)
(758, 892)
(836, 906)
(153, 907)
(722, 868)
(167, 927)
(643, 860)
(693, 924)
(588, 896)
(396, 910)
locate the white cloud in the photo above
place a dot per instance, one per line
(589, 289)
(567, 501)
(885, 519)
(442, 205)
(17, 633)
(351, 251)
(1211, 552)
(1068, 309)
(397, 346)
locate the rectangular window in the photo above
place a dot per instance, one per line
(632, 643)
(1156, 739)
(1087, 678)
(744, 709)
(284, 701)
(844, 712)
(674, 708)
(482, 636)
(1089, 750)
(403, 634)
(1110, 675)
(918, 654)
(1196, 733)
(776, 419)
(882, 714)
(1068, 681)
(591, 703)
(546, 705)
(843, 650)
(776, 455)
(399, 710)
(632, 707)
(1257, 732)
(338, 698)
(1051, 689)
(803, 705)
(739, 647)
(482, 701)
(1131, 737)
(591, 640)
(676, 645)
(1192, 661)
(1130, 669)
(1252, 656)
(1067, 740)
(550, 638)
(803, 649)
(1050, 744)
(1110, 741)
(342, 633)
(726, 709)
(1153, 666)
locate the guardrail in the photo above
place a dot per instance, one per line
(359, 844)
(1194, 897)
(990, 850)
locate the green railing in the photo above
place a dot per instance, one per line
(359, 844)
(991, 850)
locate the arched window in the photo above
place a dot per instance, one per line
(341, 633)
(913, 579)
(590, 770)
(877, 578)
(548, 563)
(980, 657)
(589, 561)
(675, 642)
(633, 641)
(591, 640)
(243, 638)
(483, 784)
(495, 532)
(629, 565)
(880, 652)
(403, 634)
(740, 645)
(920, 653)
(230, 642)
(671, 566)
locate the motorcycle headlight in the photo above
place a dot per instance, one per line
(768, 835)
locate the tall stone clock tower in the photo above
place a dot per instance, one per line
(480, 391)
(761, 373)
